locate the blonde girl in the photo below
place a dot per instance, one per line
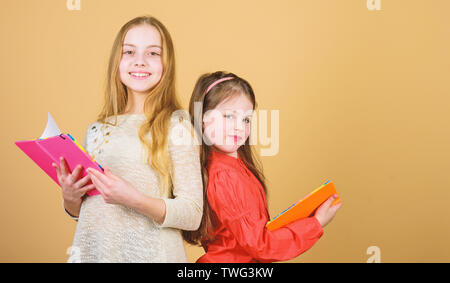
(151, 188)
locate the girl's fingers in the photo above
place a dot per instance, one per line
(98, 184)
(101, 177)
(87, 188)
(64, 167)
(336, 207)
(328, 202)
(331, 199)
(58, 172)
(81, 192)
(76, 173)
(82, 182)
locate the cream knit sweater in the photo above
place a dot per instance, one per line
(114, 233)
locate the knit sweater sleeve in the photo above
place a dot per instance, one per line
(184, 210)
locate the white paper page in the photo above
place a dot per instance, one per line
(51, 129)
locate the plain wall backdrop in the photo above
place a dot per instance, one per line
(363, 100)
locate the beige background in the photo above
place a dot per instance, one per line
(363, 99)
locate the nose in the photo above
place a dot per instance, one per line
(139, 64)
(240, 125)
(140, 61)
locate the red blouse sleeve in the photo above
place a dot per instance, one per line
(239, 209)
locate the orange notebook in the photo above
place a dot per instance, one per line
(304, 207)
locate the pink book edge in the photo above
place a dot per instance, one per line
(47, 167)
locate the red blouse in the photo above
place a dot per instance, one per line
(239, 202)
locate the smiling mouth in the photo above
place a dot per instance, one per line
(139, 75)
(236, 138)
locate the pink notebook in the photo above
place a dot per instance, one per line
(46, 150)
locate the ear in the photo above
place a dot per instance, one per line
(207, 120)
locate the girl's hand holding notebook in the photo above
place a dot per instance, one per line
(323, 203)
(326, 212)
(53, 145)
(73, 186)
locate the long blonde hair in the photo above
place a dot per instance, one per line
(159, 105)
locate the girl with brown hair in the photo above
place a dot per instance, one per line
(235, 210)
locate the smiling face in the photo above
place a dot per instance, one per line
(141, 63)
(227, 126)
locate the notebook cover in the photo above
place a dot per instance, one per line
(305, 207)
(45, 151)
(40, 157)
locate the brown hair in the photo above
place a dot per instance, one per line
(159, 105)
(209, 101)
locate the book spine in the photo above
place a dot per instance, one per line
(84, 151)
